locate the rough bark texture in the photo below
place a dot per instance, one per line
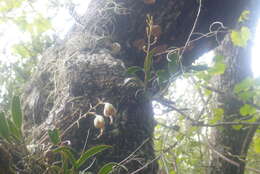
(83, 68)
(230, 142)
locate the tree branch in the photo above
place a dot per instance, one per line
(226, 124)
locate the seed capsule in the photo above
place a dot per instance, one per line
(156, 30)
(99, 123)
(109, 111)
(149, 1)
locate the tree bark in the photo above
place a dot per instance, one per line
(228, 141)
(83, 68)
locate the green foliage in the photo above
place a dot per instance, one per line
(241, 37)
(206, 73)
(9, 5)
(11, 130)
(16, 133)
(4, 129)
(244, 85)
(162, 76)
(32, 24)
(173, 63)
(257, 145)
(67, 153)
(217, 115)
(247, 110)
(68, 157)
(244, 16)
(190, 135)
(54, 136)
(247, 89)
(133, 70)
(17, 112)
(107, 168)
(219, 66)
(90, 153)
(148, 62)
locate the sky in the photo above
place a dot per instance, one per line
(62, 22)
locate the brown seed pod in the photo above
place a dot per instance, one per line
(156, 31)
(149, 1)
(139, 44)
(160, 48)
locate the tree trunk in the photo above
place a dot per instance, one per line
(75, 73)
(233, 143)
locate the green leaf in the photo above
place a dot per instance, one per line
(219, 58)
(252, 120)
(17, 113)
(14, 131)
(207, 92)
(148, 62)
(54, 136)
(133, 69)
(22, 50)
(8, 5)
(240, 37)
(41, 24)
(257, 145)
(218, 113)
(21, 22)
(244, 85)
(4, 129)
(65, 163)
(68, 152)
(247, 110)
(219, 66)
(173, 62)
(218, 69)
(244, 16)
(203, 75)
(107, 168)
(162, 76)
(237, 127)
(247, 95)
(90, 153)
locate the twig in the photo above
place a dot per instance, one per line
(170, 105)
(156, 158)
(230, 95)
(139, 147)
(174, 127)
(210, 34)
(226, 124)
(147, 164)
(202, 98)
(85, 144)
(229, 160)
(192, 30)
(81, 117)
(222, 156)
